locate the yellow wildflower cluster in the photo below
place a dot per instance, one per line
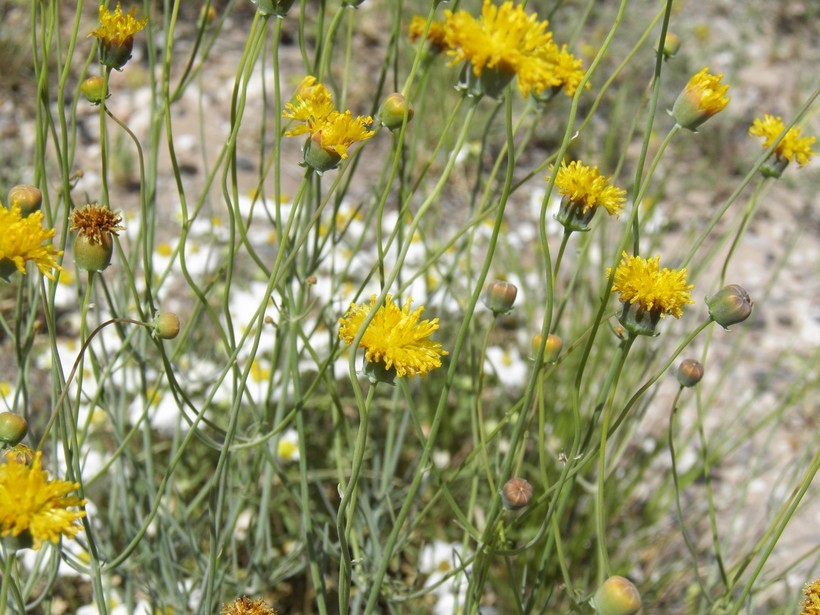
(791, 147)
(395, 337)
(587, 188)
(32, 503)
(642, 282)
(330, 129)
(22, 240)
(505, 41)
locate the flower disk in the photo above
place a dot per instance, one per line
(641, 281)
(504, 38)
(246, 606)
(22, 240)
(95, 222)
(30, 502)
(587, 188)
(118, 29)
(791, 147)
(395, 337)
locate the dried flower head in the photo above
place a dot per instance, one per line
(246, 606)
(32, 503)
(703, 97)
(96, 222)
(22, 240)
(395, 337)
(505, 40)
(791, 147)
(642, 282)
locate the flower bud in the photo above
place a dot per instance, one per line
(499, 296)
(516, 494)
(92, 256)
(13, 428)
(94, 90)
(20, 454)
(166, 325)
(671, 45)
(391, 113)
(206, 15)
(730, 305)
(552, 349)
(279, 8)
(318, 158)
(690, 372)
(617, 596)
(27, 198)
(703, 97)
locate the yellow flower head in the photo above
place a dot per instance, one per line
(394, 337)
(118, 29)
(565, 69)
(435, 34)
(314, 104)
(505, 39)
(703, 97)
(22, 240)
(96, 222)
(791, 147)
(811, 605)
(31, 502)
(587, 189)
(341, 130)
(333, 132)
(641, 281)
(246, 606)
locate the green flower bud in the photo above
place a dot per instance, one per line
(27, 198)
(671, 45)
(166, 325)
(13, 428)
(690, 372)
(617, 596)
(391, 113)
(552, 349)
(318, 158)
(93, 256)
(279, 8)
(94, 90)
(499, 296)
(516, 494)
(730, 305)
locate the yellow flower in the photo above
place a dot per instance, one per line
(791, 147)
(116, 35)
(118, 29)
(587, 188)
(246, 606)
(314, 104)
(640, 281)
(30, 502)
(811, 605)
(566, 70)
(504, 40)
(435, 34)
(395, 337)
(703, 97)
(330, 131)
(22, 240)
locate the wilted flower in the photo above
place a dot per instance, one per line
(395, 338)
(246, 606)
(95, 226)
